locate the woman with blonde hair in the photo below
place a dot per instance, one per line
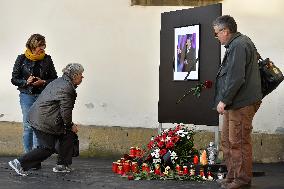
(32, 71)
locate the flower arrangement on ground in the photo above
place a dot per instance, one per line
(169, 155)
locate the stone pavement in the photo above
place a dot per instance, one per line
(96, 173)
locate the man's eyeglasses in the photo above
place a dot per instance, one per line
(217, 33)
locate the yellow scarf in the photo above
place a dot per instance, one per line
(34, 57)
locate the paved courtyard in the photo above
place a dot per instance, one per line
(96, 173)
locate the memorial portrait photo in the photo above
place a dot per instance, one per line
(186, 53)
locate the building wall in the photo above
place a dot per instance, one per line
(118, 44)
(115, 141)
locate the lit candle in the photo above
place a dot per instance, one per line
(138, 152)
(157, 170)
(145, 167)
(120, 169)
(195, 160)
(185, 170)
(126, 166)
(132, 152)
(114, 167)
(134, 167)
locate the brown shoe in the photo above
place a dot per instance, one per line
(237, 185)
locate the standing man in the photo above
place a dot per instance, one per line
(188, 56)
(238, 97)
(51, 119)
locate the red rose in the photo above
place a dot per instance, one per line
(175, 139)
(160, 144)
(163, 152)
(177, 128)
(150, 145)
(130, 177)
(170, 144)
(149, 157)
(208, 84)
(171, 133)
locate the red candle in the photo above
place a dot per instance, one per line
(157, 170)
(195, 160)
(201, 172)
(138, 152)
(126, 166)
(209, 174)
(122, 160)
(132, 152)
(185, 170)
(178, 168)
(120, 169)
(134, 167)
(114, 167)
(145, 167)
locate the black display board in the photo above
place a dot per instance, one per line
(191, 110)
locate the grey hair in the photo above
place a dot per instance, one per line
(226, 21)
(73, 69)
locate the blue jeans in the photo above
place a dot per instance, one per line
(29, 138)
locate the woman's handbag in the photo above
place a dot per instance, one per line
(271, 76)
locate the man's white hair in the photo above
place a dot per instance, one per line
(73, 69)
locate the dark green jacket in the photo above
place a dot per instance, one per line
(238, 81)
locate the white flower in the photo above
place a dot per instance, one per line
(179, 131)
(168, 138)
(157, 160)
(156, 153)
(182, 133)
(168, 168)
(173, 156)
(166, 130)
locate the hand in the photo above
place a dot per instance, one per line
(75, 128)
(221, 107)
(38, 82)
(30, 80)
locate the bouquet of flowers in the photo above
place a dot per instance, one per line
(169, 155)
(172, 147)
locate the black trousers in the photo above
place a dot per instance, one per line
(47, 145)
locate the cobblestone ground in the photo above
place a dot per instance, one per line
(96, 173)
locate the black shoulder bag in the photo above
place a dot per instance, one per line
(271, 76)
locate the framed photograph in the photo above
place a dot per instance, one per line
(187, 53)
